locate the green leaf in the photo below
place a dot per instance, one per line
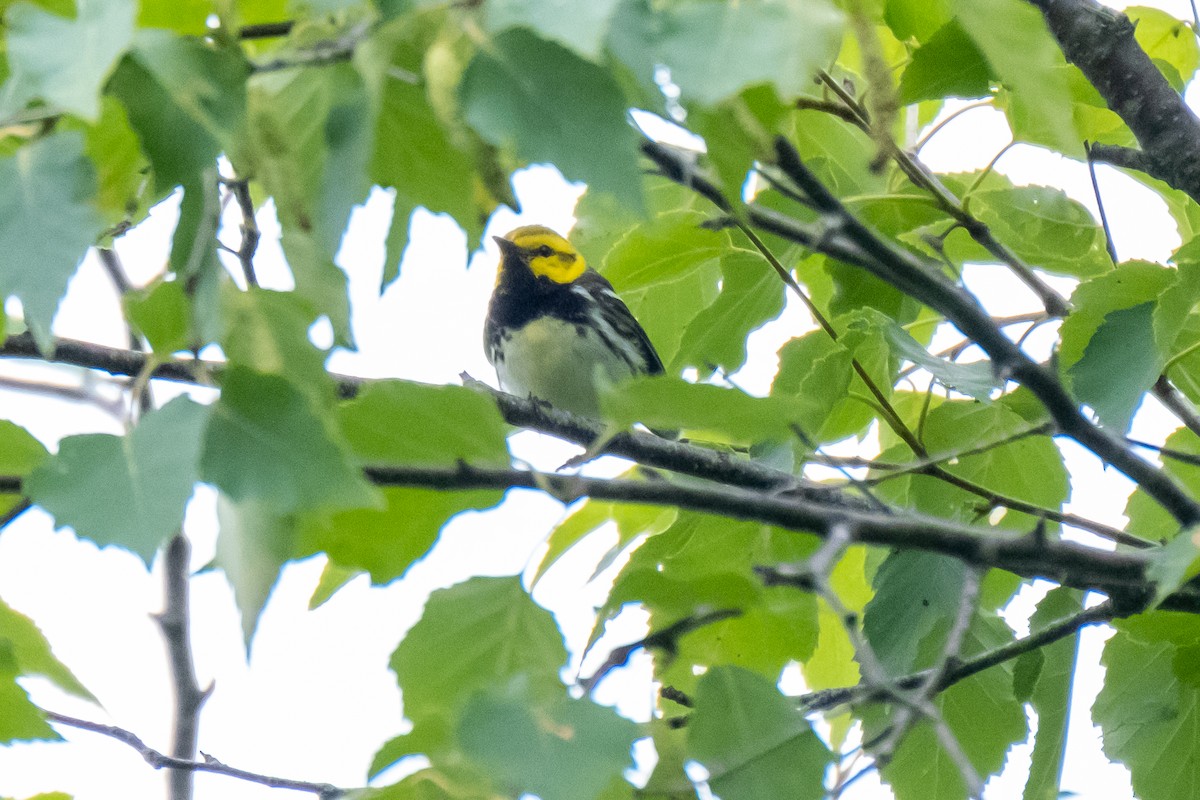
(397, 422)
(739, 131)
(116, 153)
(185, 100)
(254, 543)
(288, 112)
(916, 594)
(1013, 37)
(818, 373)
(20, 638)
(751, 294)
(752, 740)
(916, 19)
(1147, 518)
(319, 281)
(560, 750)
(981, 712)
(181, 16)
(423, 167)
(703, 564)
(63, 61)
(333, 578)
(581, 25)
(1129, 285)
(162, 314)
(1028, 468)
(1167, 40)
(47, 186)
(127, 491)
(545, 101)
(20, 454)
(1114, 373)
(833, 663)
(706, 44)
(704, 410)
(1125, 323)
(20, 719)
(1174, 564)
(496, 632)
(630, 520)
(1148, 707)
(1051, 694)
(948, 65)
(415, 423)
(349, 131)
(664, 269)
(267, 332)
(1046, 228)
(266, 443)
(443, 782)
(977, 379)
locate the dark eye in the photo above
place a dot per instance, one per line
(544, 251)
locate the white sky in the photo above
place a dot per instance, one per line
(316, 700)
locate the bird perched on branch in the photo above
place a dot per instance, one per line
(555, 327)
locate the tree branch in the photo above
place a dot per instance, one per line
(645, 448)
(827, 699)
(1120, 574)
(923, 177)
(174, 622)
(158, 760)
(1101, 43)
(249, 229)
(844, 237)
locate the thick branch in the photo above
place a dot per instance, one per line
(159, 760)
(1100, 42)
(189, 697)
(1120, 574)
(844, 237)
(645, 448)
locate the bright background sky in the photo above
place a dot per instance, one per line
(315, 700)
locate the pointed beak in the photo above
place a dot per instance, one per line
(506, 247)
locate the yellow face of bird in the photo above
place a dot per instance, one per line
(549, 255)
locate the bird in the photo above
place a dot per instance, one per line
(555, 327)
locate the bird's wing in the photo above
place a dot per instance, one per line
(621, 318)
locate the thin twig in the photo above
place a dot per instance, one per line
(1108, 239)
(827, 699)
(249, 229)
(937, 128)
(266, 30)
(158, 760)
(81, 394)
(666, 639)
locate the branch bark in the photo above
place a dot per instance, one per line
(174, 622)
(1120, 574)
(1100, 42)
(844, 237)
(158, 760)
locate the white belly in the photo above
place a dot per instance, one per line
(568, 365)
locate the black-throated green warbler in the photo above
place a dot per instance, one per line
(555, 327)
